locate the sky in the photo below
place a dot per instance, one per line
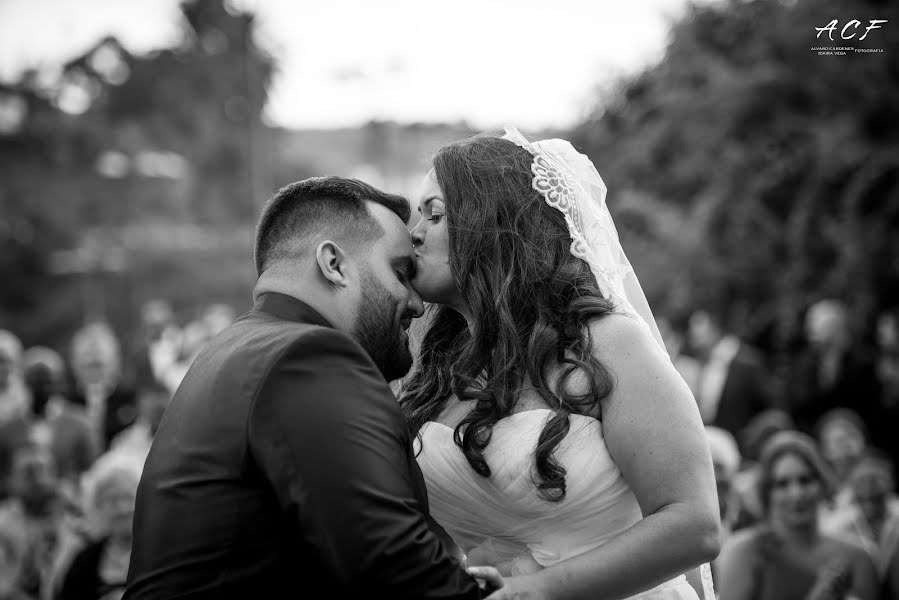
(537, 64)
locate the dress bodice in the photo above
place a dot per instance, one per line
(502, 520)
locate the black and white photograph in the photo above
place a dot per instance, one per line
(484, 299)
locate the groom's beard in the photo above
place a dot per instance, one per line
(379, 332)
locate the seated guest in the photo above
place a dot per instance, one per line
(872, 518)
(753, 438)
(787, 556)
(99, 569)
(35, 502)
(842, 438)
(760, 429)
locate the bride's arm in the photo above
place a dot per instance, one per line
(655, 435)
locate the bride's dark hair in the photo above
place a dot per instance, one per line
(530, 301)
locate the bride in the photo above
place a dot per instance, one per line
(561, 449)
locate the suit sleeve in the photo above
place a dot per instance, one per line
(328, 434)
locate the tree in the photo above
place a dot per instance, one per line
(754, 173)
(175, 136)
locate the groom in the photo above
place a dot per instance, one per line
(283, 463)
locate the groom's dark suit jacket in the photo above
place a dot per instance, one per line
(284, 464)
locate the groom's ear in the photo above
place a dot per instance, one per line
(333, 263)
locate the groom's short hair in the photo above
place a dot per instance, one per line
(320, 208)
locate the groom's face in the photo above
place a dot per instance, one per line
(388, 303)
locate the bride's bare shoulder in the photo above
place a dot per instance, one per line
(617, 334)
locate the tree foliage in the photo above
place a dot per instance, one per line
(115, 140)
(753, 174)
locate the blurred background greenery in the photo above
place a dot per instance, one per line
(746, 172)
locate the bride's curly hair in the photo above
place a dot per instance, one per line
(530, 300)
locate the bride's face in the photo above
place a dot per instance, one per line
(433, 279)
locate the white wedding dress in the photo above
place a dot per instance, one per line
(503, 521)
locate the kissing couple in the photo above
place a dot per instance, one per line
(543, 446)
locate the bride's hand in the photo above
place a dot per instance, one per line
(480, 556)
(504, 588)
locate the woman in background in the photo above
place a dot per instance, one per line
(99, 570)
(787, 557)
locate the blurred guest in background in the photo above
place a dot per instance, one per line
(787, 556)
(891, 585)
(13, 547)
(754, 436)
(159, 338)
(44, 374)
(843, 438)
(888, 376)
(216, 317)
(99, 569)
(734, 384)
(872, 518)
(71, 438)
(726, 460)
(14, 405)
(99, 385)
(760, 429)
(194, 336)
(14, 400)
(152, 399)
(888, 354)
(834, 371)
(35, 502)
(674, 337)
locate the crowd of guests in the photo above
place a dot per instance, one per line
(75, 429)
(804, 457)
